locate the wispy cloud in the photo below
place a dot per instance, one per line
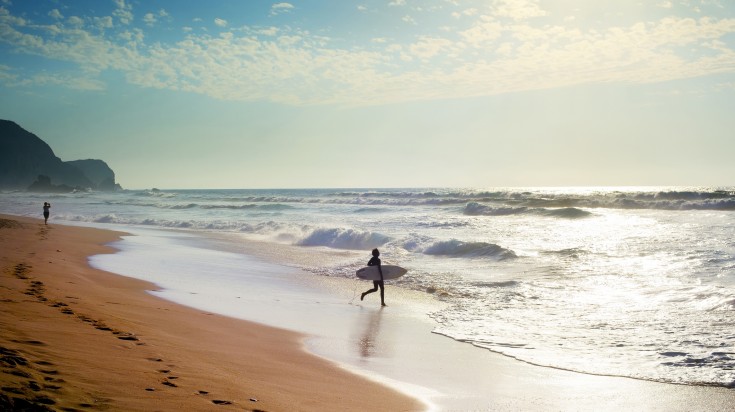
(149, 19)
(220, 22)
(56, 14)
(280, 8)
(408, 19)
(492, 54)
(124, 12)
(518, 9)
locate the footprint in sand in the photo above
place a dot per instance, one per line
(29, 342)
(102, 326)
(171, 384)
(12, 358)
(21, 270)
(130, 337)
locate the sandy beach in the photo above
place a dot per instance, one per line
(75, 338)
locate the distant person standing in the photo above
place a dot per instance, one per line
(46, 212)
(375, 261)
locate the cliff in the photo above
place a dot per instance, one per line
(102, 177)
(27, 162)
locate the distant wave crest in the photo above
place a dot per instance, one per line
(478, 203)
(477, 209)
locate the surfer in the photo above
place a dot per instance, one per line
(375, 261)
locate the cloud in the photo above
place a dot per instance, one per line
(397, 3)
(124, 12)
(280, 8)
(51, 79)
(75, 21)
(69, 81)
(7, 77)
(269, 31)
(149, 19)
(485, 31)
(465, 12)
(489, 56)
(518, 9)
(409, 20)
(55, 14)
(428, 47)
(102, 23)
(220, 22)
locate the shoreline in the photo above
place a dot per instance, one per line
(75, 337)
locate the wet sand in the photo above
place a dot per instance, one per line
(76, 338)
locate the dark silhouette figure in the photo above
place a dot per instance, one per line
(46, 207)
(375, 261)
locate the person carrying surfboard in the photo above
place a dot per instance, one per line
(375, 261)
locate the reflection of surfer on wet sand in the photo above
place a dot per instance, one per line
(368, 342)
(378, 274)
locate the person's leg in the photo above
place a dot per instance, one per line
(374, 289)
(382, 294)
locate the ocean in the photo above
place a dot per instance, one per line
(633, 282)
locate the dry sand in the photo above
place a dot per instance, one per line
(76, 338)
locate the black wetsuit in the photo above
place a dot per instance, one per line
(375, 261)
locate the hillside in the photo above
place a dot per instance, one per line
(27, 162)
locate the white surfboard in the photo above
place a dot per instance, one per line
(389, 272)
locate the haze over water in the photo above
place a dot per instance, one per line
(636, 282)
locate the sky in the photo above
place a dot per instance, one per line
(369, 94)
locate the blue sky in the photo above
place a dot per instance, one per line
(402, 93)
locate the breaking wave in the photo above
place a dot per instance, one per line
(344, 239)
(461, 249)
